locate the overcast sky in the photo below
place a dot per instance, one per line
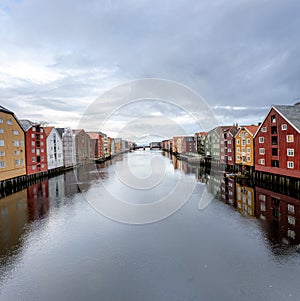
(57, 57)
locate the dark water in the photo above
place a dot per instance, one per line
(55, 246)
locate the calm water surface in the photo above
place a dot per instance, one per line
(55, 246)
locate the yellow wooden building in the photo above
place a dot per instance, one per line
(12, 146)
(244, 145)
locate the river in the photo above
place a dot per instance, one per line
(61, 240)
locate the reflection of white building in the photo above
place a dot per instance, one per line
(54, 148)
(56, 190)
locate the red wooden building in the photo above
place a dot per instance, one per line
(96, 144)
(277, 142)
(36, 148)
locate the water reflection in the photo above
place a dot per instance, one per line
(278, 213)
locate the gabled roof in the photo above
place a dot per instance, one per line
(233, 130)
(2, 109)
(93, 135)
(251, 129)
(60, 131)
(48, 130)
(26, 124)
(76, 132)
(290, 113)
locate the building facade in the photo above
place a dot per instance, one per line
(54, 148)
(244, 145)
(277, 141)
(12, 146)
(36, 147)
(69, 148)
(83, 146)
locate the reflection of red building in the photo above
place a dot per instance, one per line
(38, 200)
(227, 191)
(36, 149)
(282, 214)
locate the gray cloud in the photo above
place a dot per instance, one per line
(232, 53)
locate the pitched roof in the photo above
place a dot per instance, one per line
(2, 109)
(233, 130)
(252, 128)
(60, 131)
(93, 135)
(48, 130)
(291, 113)
(26, 124)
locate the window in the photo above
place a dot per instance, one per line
(291, 234)
(2, 154)
(2, 164)
(273, 118)
(16, 133)
(238, 141)
(261, 161)
(291, 220)
(261, 139)
(274, 163)
(243, 134)
(22, 161)
(290, 164)
(284, 127)
(21, 143)
(274, 151)
(1, 120)
(16, 143)
(290, 152)
(289, 138)
(248, 159)
(33, 129)
(248, 150)
(243, 149)
(9, 121)
(33, 150)
(33, 167)
(291, 208)
(248, 140)
(243, 142)
(229, 150)
(32, 159)
(1, 142)
(264, 129)
(42, 136)
(274, 130)
(16, 152)
(262, 197)
(261, 151)
(1, 131)
(274, 140)
(17, 162)
(238, 157)
(238, 149)
(33, 143)
(229, 141)
(32, 135)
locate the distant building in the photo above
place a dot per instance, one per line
(96, 145)
(112, 147)
(54, 148)
(69, 149)
(12, 146)
(188, 144)
(277, 141)
(118, 145)
(83, 146)
(36, 147)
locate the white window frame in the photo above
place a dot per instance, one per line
(288, 137)
(261, 139)
(290, 164)
(261, 151)
(290, 152)
(284, 127)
